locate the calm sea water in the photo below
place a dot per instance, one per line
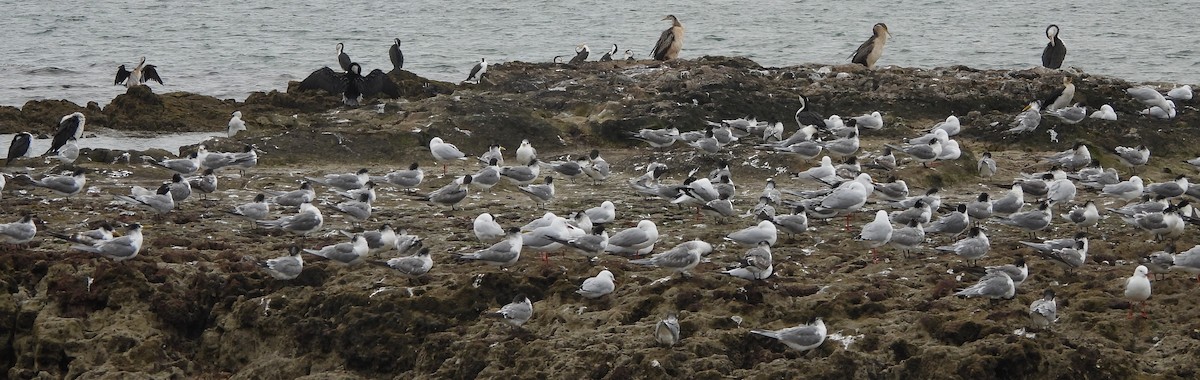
(69, 49)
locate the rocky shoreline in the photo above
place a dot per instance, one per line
(194, 304)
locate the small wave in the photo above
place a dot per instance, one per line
(49, 71)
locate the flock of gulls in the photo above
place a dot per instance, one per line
(840, 185)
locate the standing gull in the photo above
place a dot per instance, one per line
(1137, 289)
(235, 124)
(1043, 312)
(670, 42)
(451, 194)
(444, 152)
(876, 233)
(503, 254)
(869, 52)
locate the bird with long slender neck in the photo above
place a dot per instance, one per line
(869, 52)
(670, 42)
(1055, 51)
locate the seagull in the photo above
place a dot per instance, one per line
(503, 254)
(1070, 257)
(526, 153)
(598, 286)
(444, 152)
(1028, 119)
(825, 171)
(756, 262)
(19, 232)
(1137, 289)
(605, 213)
(1012, 201)
(295, 198)
(681, 259)
(160, 201)
(180, 189)
(540, 194)
(344, 181)
(592, 245)
(118, 249)
(995, 285)
(285, 267)
(1126, 190)
(409, 178)
(666, 331)
(986, 166)
(801, 338)
(657, 138)
(1169, 189)
(358, 209)
(1032, 221)
(307, 220)
(412, 267)
(1018, 271)
(876, 233)
(515, 313)
(368, 189)
(486, 229)
(636, 240)
(1188, 261)
(971, 248)
(1043, 312)
(1104, 113)
(235, 125)
(89, 237)
(1084, 216)
(952, 126)
(953, 223)
(920, 212)
(872, 120)
(378, 240)
(1133, 157)
(1161, 262)
(183, 166)
(599, 169)
(451, 194)
(1180, 93)
(206, 184)
(1151, 98)
(924, 154)
(751, 236)
(980, 209)
(494, 152)
(522, 175)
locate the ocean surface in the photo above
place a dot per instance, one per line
(69, 49)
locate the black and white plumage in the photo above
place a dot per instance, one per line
(343, 58)
(608, 56)
(1055, 51)
(869, 52)
(119, 249)
(670, 42)
(62, 184)
(19, 147)
(515, 313)
(412, 267)
(478, 71)
(1044, 311)
(1061, 97)
(69, 128)
(351, 84)
(581, 54)
(141, 74)
(396, 55)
